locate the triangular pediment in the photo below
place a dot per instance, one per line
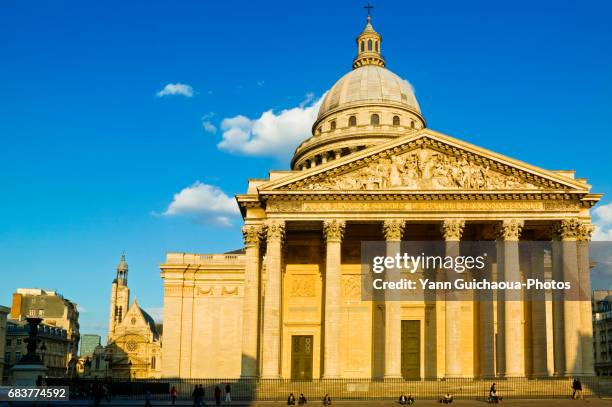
(426, 161)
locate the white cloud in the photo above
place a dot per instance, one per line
(176, 89)
(603, 222)
(272, 134)
(209, 127)
(206, 203)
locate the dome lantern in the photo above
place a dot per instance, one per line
(368, 46)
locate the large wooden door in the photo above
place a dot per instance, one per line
(411, 349)
(301, 357)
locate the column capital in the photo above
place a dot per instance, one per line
(333, 229)
(393, 229)
(585, 231)
(275, 230)
(510, 229)
(252, 234)
(452, 229)
(566, 229)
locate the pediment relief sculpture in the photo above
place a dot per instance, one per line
(422, 169)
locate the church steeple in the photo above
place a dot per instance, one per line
(368, 45)
(120, 298)
(122, 271)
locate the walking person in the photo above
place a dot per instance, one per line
(291, 400)
(493, 396)
(173, 394)
(147, 397)
(217, 396)
(327, 400)
(302, 400)
(577, 387)
(201, 396)
(228, 394)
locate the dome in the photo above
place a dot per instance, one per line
(366, 107)
(369, 84)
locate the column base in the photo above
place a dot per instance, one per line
(270, 377)
(330, 376)
(513, 375)
(392, 377)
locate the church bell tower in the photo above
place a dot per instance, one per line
(120, 297)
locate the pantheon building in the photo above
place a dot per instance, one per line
(290, 304)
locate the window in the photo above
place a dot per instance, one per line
(396, 120)
(17, 356)
(374, 119)
(412, 124)
(7, 357)
(18, 342)
(369, 45)
(153, 362)
(8, 342)
(333, 125)
(362, 46)
(97, 362)
(376, 46)
(352, 121)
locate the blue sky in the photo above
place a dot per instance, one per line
(92, 157)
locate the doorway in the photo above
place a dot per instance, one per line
(411, 349)
(301, 357)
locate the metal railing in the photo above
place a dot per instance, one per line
(346, 389)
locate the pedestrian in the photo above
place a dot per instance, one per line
(228, 393)
(195, 395)
(201, 396)
(577, 387)
(327, 400)
(302, 400)
(173, 394)
(217, 396)
(291, 400)
(147, 397)
(493, 396)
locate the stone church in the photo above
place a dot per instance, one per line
(133, 349)
(290, 305)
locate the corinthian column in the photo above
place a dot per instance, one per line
(393, 325)
(571, 352)
(451, 231)
(586, 311)
(538, 315)
(250, 307)
(275, 231)
(333, 231)
(510, 307)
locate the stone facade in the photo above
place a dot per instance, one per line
(602, 332)
(4, 311)
(56, 351)
(291, 305)
(55, 310)
(133, 349)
